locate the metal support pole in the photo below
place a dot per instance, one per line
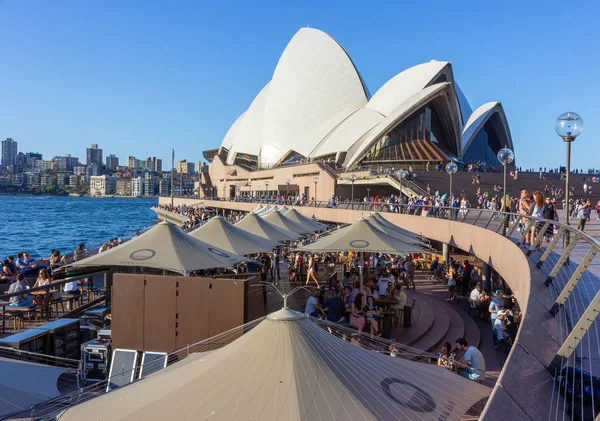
(486, 278)
(352, 200)
(564, 257)
(573, 280)
(567, 236)
(450, 195)
(445, 252)
(504, 188)
(579, 330)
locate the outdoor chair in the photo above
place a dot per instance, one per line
(14, 316)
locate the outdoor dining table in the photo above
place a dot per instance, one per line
(385, 302)
(46, 307)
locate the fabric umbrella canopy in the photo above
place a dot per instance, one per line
(412, 239)
(257, 209)
(24, 384)
(232, 239)
(284, 209)
(288, 368)
(362, 236)
(263, 210)
(164, 246)
(391, 226)
(254, 224)
(298, 218)
(282, 222)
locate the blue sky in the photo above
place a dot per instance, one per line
(139, 78)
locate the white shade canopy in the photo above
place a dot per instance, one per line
(283, 223)
(24, 384)
(361, 235)
(256, 225)
(300, 219)
(230, 238)
(167, 247)
(411, 239)
(258, 209)
(390, 225)
(284, 209)
(289, 368)
(263, 210)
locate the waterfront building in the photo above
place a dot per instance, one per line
(9, 152)
(47, 180)
(73, 180)
(32, 180)
(112, 162)
(90, 171)
(102, 185)
(184, 167)
(18, 179)
(137, 186)
(308, 113)
(62, 180)
(123, 186)
(79, 170)
(65, 163)
(93, 155)
(164, 187)
(149, 184)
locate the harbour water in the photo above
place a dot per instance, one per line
(38, 224)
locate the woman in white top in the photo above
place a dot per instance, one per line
(44, 279)
(538, 212)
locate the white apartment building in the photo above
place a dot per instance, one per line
(137, 186)
(102, 185)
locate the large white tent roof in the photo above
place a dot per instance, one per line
(258, 226)
(284, 223)
(220, 233)
(289, 368)
(166, 247)
(24, 384)
(361, 235)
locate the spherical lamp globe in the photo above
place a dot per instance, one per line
(569, 125)
(451, 168)
(506, 156)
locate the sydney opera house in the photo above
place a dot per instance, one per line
(316, 112)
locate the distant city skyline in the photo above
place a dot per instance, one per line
(83, 74)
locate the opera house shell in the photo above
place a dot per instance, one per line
(317, 106)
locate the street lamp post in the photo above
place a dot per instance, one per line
(172, 176)
(267, 182)
(568, 126)
(451, 169)
(287, 190)
(250, 185)
(315, 180)
(506, 157)
(352, 179)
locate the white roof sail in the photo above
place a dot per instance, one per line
(314, 83)
(247, 137)
(230, 136)
(395, 117)
(477, 120)
(405, 85)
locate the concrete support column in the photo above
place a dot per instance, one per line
(486, 277)
(445, 252)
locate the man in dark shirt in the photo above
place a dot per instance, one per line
(335, 307)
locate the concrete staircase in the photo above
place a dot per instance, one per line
(436, 320)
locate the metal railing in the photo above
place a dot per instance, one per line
(567, 261)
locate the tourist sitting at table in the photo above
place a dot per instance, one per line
(313, 308)
(474, 361)
(80, 253)
(382, 285)
(44, 279)
(399, 301)
(370, 284)
(447, 358)
(390, 290)
(71, 291)
(335, 307)
(7, 274)
(22, 300)
(372, 313)
(357, 315)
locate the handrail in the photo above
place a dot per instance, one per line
(569, 298)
